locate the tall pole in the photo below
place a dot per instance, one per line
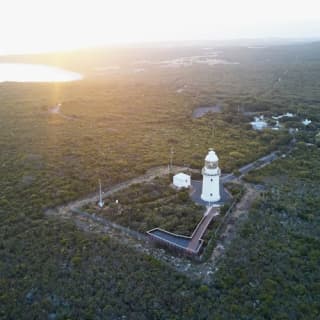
(100, 203)
(171, 158)
(212, 132)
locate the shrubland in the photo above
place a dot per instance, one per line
(114, 127)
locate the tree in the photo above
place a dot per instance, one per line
(317, 139)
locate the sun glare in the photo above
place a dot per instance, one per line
(19, 72)
(34, 25)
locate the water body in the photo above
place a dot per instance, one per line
(201, 111)
(20, 72)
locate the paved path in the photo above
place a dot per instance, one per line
(251, 166)
(202, 227)
(258, 163)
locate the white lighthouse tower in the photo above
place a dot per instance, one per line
(211, 178)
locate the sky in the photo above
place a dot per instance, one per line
(28, 26)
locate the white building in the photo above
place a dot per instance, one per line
(259, 123)
(288, 115)
(211, 178)
(306, 122)
(181, 180)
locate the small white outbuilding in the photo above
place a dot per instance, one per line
(181, 180)
(259, 123)
(306, 122)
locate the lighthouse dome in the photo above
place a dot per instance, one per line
(211, 160)
(211, 156)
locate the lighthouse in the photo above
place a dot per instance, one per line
(211, 178)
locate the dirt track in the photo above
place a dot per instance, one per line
(150, 175)
(240, 209)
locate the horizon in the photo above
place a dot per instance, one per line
(241, 42)
(43, 26)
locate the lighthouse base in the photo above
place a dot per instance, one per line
(209, 198)
(210, 188)
(196, 195)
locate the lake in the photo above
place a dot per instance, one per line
(201, 111)
(20, 72)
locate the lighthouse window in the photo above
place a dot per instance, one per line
(211, 180)
(210, 194)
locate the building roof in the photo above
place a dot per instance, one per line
(181, 175)
(211, 156)
(259, 124)
(306, 122)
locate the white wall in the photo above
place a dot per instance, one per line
(210, 188)
(182, 181)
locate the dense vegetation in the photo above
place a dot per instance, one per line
(273, 265)
(115, 126)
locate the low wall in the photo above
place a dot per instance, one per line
(135, 234)
(178, 242)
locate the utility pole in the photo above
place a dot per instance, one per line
(171, 159)
(212, 133)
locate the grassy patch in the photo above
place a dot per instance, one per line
(153, 204)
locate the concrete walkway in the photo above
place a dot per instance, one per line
(257, 164)
(202, 227)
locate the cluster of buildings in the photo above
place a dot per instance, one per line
(261, 123)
